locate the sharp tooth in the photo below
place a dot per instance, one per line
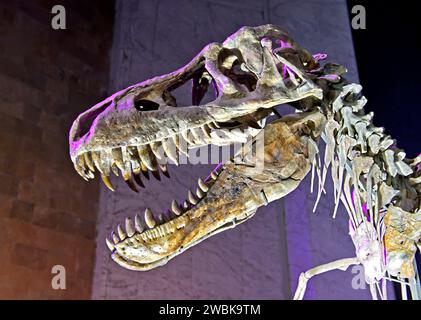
(149, 219)
(186, 205)
(206, 131)
(107, 182)
(90, 174)
(114, 169)
(186, 136)
(110, 245)
(135, 165)
(138, 224)
(127, 175)
(138, 180)
(164, 170)
(127, 155)
(115, 238)
(156, 175)
(200, 194)
(175, 208)
(192, 198)
(144, 169)
(118, 158)
(197, 135)
(80, 161)
(181, 144)
(102, 164)
(145, 156)
(170, 150)
(202, 185)
(131, 184)
(121, 233)
(80, 167)
(214, 175)
(130, 227)
(155, 147)
(89, 162)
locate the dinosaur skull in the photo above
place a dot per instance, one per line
(135, 130)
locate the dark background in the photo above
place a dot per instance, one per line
(388, 55)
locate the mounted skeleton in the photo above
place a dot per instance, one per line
(137, 129)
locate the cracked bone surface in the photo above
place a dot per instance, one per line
(138, 129)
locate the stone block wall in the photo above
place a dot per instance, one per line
(47, 212)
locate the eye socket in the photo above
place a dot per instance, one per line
(231, 64)
(145, 105)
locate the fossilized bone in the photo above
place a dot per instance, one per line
(256, 69)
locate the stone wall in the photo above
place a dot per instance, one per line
(262, 258)
(47, 212)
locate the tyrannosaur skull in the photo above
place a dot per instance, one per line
(136, 129)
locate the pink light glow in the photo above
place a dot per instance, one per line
(216, 169)
(319, 56)
(363, 205)
(283, 44)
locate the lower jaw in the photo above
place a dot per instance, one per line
(137, 266)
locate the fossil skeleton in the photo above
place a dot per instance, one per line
(136, 130)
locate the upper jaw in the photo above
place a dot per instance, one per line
(245, 80)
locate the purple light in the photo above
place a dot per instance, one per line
(283, 44)
(363, 205)
(215, 169)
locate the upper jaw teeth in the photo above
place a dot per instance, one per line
(134, 161)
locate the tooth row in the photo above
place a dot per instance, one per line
(130, 162)
(193, 198)
(155, 231)
(132, 227)
(133, 161)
